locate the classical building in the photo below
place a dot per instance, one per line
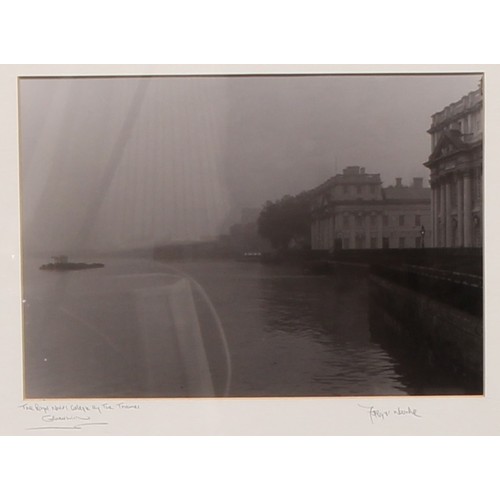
(352, 211)
(456, 168)
(408, 215)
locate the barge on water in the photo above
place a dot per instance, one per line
(61, 263)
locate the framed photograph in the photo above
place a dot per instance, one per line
(249, 250)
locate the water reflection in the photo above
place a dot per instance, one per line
(329, 315)
(419, 372)
(191, 329)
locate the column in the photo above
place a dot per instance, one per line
(332, 231)
(367, 230)
(442, 213)
(433, 213)
(380, 230)
(467, 210)
(435, 231)
(352, 231)
(449, 229)
(481, 193)
(338, 227)
(460, 211)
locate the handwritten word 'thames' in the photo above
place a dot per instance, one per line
(379, 415)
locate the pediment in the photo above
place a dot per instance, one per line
(449, 142)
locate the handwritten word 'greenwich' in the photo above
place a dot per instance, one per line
(379, 415)
(77, 407)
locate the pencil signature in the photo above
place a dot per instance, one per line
(377, 415)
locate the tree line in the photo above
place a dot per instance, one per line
(286, 222)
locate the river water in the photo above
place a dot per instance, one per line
(141, 328)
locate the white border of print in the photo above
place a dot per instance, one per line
(270, 416)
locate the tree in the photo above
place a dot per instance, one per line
(286, 220)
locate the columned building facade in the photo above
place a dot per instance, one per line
(346, 211)
(456, 173)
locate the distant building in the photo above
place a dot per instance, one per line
(407, 215)
(456, 166)
(353, 211)
(242, 239)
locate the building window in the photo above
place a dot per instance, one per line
(359, 221)
(418, 242)
(346, 189)
(346, 243)
(417, 220)
(359, 189)
(373, 220)
(401, 242)
(385, 242)
(345, 222)
(401, 220)
(386, 220)
(373, 242)
(372, 189)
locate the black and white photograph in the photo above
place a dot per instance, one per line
(252, 236)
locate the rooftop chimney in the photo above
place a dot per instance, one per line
(418, 182)
(398, 182)
(352, 170)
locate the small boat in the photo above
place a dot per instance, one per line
(61, 263)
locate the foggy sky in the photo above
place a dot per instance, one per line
(112, 163)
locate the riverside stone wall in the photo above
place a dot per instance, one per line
(434, 331)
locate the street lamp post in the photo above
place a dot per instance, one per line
(339, 241)
(422, 233)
